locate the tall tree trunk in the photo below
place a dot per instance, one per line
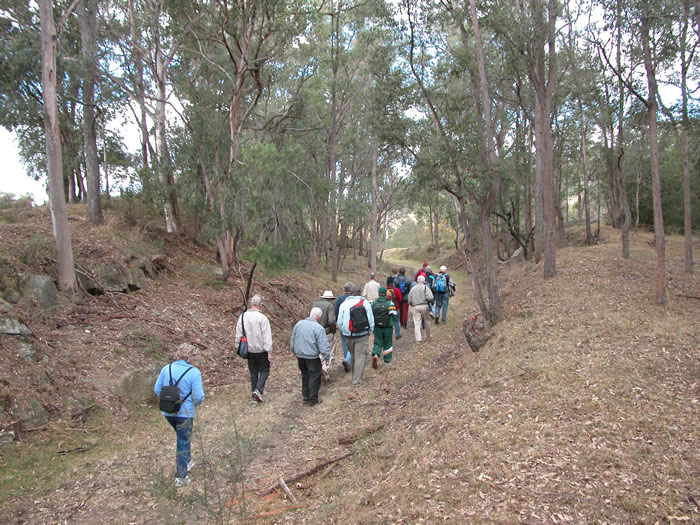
(87, 18)
(586, 200)
(105, 164)
(652, 107)
(332, 144)
(140, 90)
(488, 201)
(683, 139)
(619, 165)
(165, 172)
(374, 219)
(59, 218)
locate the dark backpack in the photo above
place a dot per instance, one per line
(380, 309)
(440, 284)
(170, 401)
(402, 284)
(359, 321)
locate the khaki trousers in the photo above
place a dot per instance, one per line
(420, 314)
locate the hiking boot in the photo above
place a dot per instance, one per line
(181, 482)
(375, 361)
(437, 321)
(346, 366)
(257, 396)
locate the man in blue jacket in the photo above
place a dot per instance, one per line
(356, 329)
(192, 393)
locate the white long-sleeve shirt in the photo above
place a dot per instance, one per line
(257, 331)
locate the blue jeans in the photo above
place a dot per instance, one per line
(346, 352)
(442, 300)
(397, 326)
(183, 429)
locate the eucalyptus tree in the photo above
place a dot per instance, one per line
(228, 61)
(653, 48)
(463, 151)
(87, 19)
(687, 45)
(64, 250)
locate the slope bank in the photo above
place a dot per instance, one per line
(582, 408)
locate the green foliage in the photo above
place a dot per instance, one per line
(409, 234)
(287, 255)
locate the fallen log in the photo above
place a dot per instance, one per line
(300, 475)
(369, 428)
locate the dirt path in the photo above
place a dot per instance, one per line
(240, 449)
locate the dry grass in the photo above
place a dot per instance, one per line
(583, 408)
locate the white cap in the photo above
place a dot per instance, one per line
(443, 268)
(421, 279)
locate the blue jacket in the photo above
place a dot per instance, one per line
(344, 316)
(192, 382)
(309, 340)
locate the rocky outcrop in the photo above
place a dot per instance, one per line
(9, 283)
(41, 289)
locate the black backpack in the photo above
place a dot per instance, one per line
(380, 310)
(170, 401)
(359, 322)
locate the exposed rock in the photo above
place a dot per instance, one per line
(5, 307)
(9, 283)
(13, 327)
(7, 437)
(112, 277)
(136, 279)
(142, 263)
(27, 351)
(41, 289)
(30, 413)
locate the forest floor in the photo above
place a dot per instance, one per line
(584, 407)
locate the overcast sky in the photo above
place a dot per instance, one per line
(13, 176)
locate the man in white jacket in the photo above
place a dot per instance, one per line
(259, 336)
(419, 298)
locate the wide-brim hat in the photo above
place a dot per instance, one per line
(328, 295)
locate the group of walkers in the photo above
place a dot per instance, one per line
(376, 309)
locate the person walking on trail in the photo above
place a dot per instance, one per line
(441, 291)
(420, 272)
(308, 342)
(371, 289)
(390, 280)
(347, 288)
(404, 285)
(259, 336)
(429, 279)
(384, 312)
(419, 297)
(397, 299)
(189, 380)
(356, 322)
(327, 321)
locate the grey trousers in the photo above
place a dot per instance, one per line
(359, 348)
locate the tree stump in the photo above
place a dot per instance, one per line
(476, 331)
